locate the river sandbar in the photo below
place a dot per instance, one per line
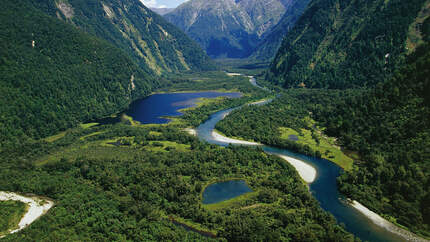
(221, 138)
(381, 222)
(307, 172)
(36, 208)
(191, 131)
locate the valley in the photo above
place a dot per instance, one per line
(238, 28)
(86, 154)
(312, 123)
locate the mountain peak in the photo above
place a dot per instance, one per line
(236, 26)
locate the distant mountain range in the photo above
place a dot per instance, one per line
(233, 28)
(162, 11)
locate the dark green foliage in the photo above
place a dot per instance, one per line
(208, 81)
(145, 36)
(197, 116)
(342, 44)
(262, 123)
(390, 127)
(11, 213)
(425, 29)
(67, 78)
(99, 197)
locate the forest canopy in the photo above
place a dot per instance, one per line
(54, 76)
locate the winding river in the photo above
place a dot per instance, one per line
(320, 174)
(323, 187)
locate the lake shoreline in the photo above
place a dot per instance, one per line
(194, 91)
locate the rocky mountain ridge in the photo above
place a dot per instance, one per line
(156, 45)
(228, 28)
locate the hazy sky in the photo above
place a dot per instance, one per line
(162, 3)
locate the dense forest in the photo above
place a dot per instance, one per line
(152, 42)
(122, 182)
(385, 130)
(363, 103)
(291, 110)
(390, 127)
(343, 44)
(54, 76)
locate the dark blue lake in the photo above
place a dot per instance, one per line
(154, 109)
(293, 137)
(222, 191)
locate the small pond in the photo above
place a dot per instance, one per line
(152, 109)
(222, 191)
(293, 137)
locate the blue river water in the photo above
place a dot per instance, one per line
(324, 188)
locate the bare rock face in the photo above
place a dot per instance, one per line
(66, 9)
(229, 28)
(152, 42)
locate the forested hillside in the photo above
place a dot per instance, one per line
(156, 45)
(54, 76)
(390, 127)
(270, 42)
(350, 43)
(229, 28)
(388, 124)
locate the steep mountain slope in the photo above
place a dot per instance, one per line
(272, 39)
(341, 44)
(151, 41)
(390, 127)
(54, 76)
(228, 28)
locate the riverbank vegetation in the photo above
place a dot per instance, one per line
(207, 81)
(290, 114)
(390, 127)
(340, 45)
(384, 129)
(213, 81)
(126, 191)
(326, 146)
(11, 212)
